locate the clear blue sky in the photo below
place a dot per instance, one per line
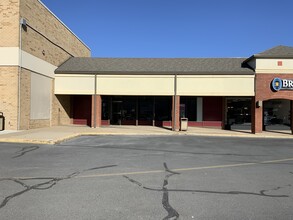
(177, 28)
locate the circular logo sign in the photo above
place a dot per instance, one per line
(277, 84)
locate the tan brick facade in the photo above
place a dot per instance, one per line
(9, 20)
(46, 34)
(61, 111)
(25, 94)
(46, 38)
(9, 96)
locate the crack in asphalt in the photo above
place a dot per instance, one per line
(261, 193)
(48, 183)
(172, 213)
(25, 150)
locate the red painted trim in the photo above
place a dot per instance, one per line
(142, 122)
(167, 123)
(77, 121)
(212, 123)
(205, 123)
(128, 122)
(195, 123)
(105, 122)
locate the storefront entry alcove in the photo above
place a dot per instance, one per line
(276, 115)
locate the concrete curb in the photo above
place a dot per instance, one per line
(59, 140)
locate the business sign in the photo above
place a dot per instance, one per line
(282, 84)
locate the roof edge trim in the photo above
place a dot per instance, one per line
(156, 73)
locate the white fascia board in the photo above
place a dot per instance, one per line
(37, 65)
(9, 56)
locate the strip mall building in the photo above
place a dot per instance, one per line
(48, 78)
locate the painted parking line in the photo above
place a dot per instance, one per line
(185, 169)
(175, 170)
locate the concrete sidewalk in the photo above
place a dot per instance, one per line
(58, 134)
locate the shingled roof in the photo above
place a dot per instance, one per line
(195, 66)
(276, 52)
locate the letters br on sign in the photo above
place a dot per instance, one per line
(282, 84)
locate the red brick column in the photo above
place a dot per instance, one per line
(224, 112)
(177, 111)
(256, 117)
(98, 112)
(291, 115)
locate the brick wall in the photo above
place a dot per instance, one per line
(263, 87)
(25, 94)
(62, 112)
(176, 108)
(48, 39)
(46, 34)
(9, 96)
(9, 20)
(263, 93)
(98, 112)
(39, 123)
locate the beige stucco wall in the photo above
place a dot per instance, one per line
(135, 85)
(216, 85)
(75, 84)
(200, 85)
(271, 66)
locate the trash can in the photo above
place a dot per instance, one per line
(184, 124)
(2, 121)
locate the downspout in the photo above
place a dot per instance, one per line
(22, 23)
(95, 102)
(175, 103)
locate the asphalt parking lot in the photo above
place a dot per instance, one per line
(148, 177)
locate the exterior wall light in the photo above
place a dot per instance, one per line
(259, 104)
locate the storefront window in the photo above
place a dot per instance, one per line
(188, 108)
(276, 112)
(145, 108)
(129, 110)
(163, 108)
(239, 111)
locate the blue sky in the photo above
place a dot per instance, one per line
(177, 28)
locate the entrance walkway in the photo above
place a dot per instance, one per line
(58, 134)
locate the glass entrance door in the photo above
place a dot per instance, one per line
(116, 118)
(239, 113)
(145, 110)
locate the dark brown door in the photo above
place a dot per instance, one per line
(82, 106)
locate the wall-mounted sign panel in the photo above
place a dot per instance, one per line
(282, 84)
